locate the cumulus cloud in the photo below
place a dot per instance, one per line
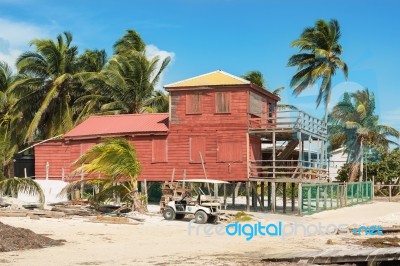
(15, 37)
(153, 51)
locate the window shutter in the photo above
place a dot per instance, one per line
(222, 102)
(197, 145)
(159, 151)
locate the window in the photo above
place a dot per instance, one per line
(159, 151)
(256, 104)
(229, 151)
(193, 103)
(222, 102)
(197, 145)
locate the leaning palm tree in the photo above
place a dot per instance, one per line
(116, 167)
(11, 130)
(48, 83)
(318, 60)
(11, 186)
(354, 125)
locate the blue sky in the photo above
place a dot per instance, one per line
(232, 35)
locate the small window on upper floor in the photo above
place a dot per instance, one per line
(222, 102)
(193, 103)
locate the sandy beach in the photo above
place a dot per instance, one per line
(160, 242)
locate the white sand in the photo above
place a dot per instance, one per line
(168, 242)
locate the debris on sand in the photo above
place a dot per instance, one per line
(381, 242)
(14, 238)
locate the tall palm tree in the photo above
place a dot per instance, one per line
(318, 60)
(10, 128)
(115, 160)
(128, 81)
(354, 125)
(48, 83)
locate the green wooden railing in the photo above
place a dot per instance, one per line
(321, 197)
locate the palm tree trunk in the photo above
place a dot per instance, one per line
(137, 203)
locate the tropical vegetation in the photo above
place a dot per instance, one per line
(318, 60)
(112, 168)
(354, 125)
(55, 88)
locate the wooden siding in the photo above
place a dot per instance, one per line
(220, 137)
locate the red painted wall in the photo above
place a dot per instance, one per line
(222, 138)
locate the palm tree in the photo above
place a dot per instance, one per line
(354, 125)
(127, 83)
(158, 103)
(256, 77)
(11, 186)
(318, 60)
(48, 83)
(115, 160)
(10, 128)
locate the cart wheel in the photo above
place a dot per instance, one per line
(201, 217)
(169, 214)
(179, 216)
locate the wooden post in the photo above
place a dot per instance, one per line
(82, 188)
(233, 193)
(247, 196)
(293, 197)
(145, 190)
(262, 194)
(273, 154)
(300, 199)
(253, 195)
(269, 195)
(317, 199)
(225, 196)
(390, 193)
(25, 174)
(345, 194)
(47, 170)
(273, 196)
(62, 174)
(373, 188)
(216, 190)
(284, 196)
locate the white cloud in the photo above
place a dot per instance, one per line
(153, 51)
(15, 38)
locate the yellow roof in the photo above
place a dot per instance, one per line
(213, 78)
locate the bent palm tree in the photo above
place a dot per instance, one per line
(354, 126)
(115, 160)
(11, 186)
(319, 59)
(48, 83)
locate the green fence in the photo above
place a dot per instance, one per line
(320, 197)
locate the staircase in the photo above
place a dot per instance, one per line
(288, 150)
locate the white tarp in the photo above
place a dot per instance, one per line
(51, 189)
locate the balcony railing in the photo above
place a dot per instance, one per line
(287, 169)
(287, 120)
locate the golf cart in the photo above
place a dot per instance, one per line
(199, 202)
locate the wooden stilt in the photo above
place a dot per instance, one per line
(262, 194)
(284, 196)
(273, 196)
(269, 195)
(247, 196)
(225, 196)
(293, 197)
(253, 195)
(233, 193)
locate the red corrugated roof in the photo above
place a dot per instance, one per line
(120, 124)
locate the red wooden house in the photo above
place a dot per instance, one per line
(207, 120)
